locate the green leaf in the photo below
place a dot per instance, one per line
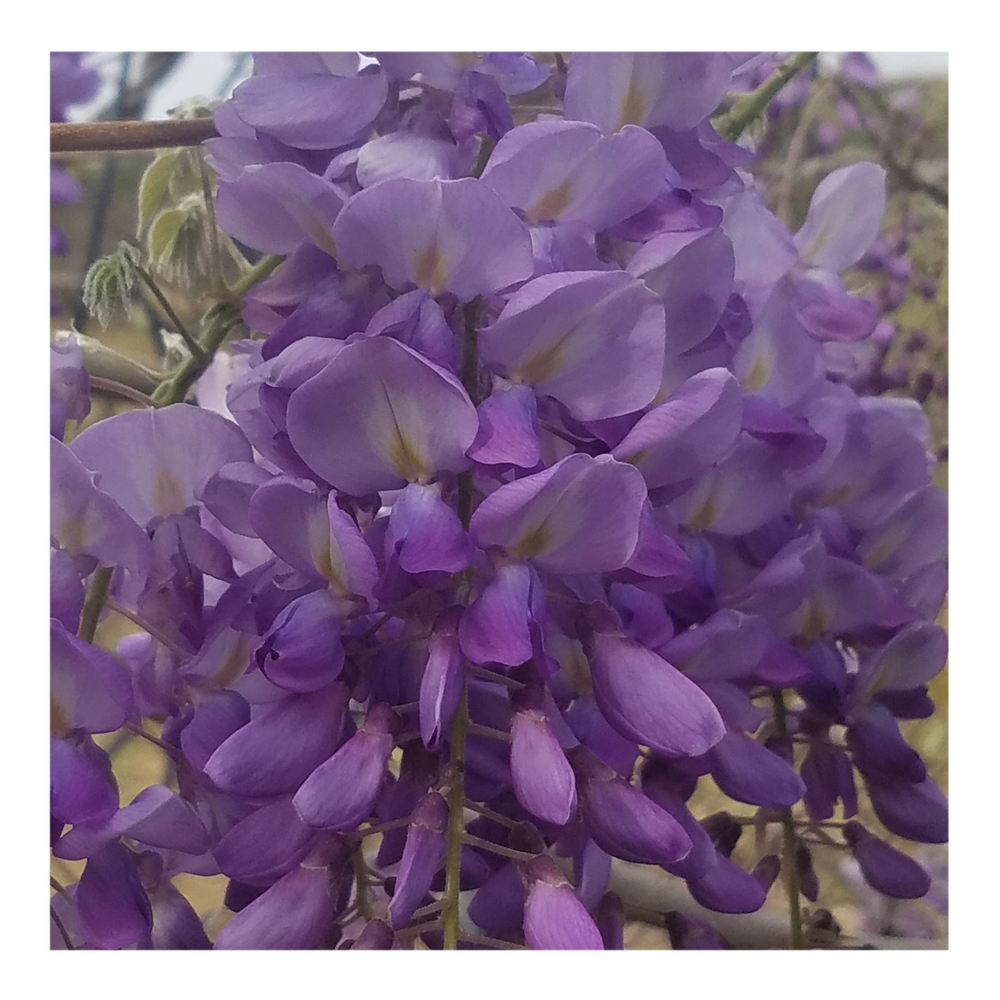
(186, 178)
(154, 183)
(108, 283)
(163, 233)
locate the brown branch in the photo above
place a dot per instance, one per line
(79, 137)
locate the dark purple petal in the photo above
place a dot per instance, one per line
(214, 720)
(441, 683)
(90, 689)
(623, 821)
(554, 918)
(266, 845)
(376, 936)
(727, 888)
(591, 728)
(689, 932)
(79, 788)
(543, 779)
(646, 698)
(879, 750)
(342, 791)
(726, 646)
(112, 908)
(422, 856)
(918, 812)
(828, 776)
(912, 657)
(176, 925)
(416, 320)
(496, 627)
(426, 534)
(302, 650)
(798, 443)
(885, 869)
(592, 872)
(748, 772)
(156, 816)
(498, 905)
(278, 750)
(294, 913)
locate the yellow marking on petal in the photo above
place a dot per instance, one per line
(541, 365)
(429, 269)
(836, 497)
(816, 244)
(404, 456)
(72, 535)
(534, 541)
(705, 516)
(890, 542)
(551, 204)
(638, 457)
(814, 622)
(58, 722)
(334, 574)
(235, 662)
(633, 106)
(756, 378)
(168, 495)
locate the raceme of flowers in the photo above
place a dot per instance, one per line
(533, 502)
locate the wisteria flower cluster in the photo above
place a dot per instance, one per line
(533, 505)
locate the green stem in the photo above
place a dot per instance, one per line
(491, 942)
(485, 152)
(93, 603)
(490, 814)
(504, 852)
(63, 933)
(213, 226)
(120, 389)
(790, 843)
(361, 877)
(147, 279)
(224, 316)
(735, 121)
(175, 388)
(258, 272)
(155, 740)
(459, 728)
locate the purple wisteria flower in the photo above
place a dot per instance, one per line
(535, 506)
